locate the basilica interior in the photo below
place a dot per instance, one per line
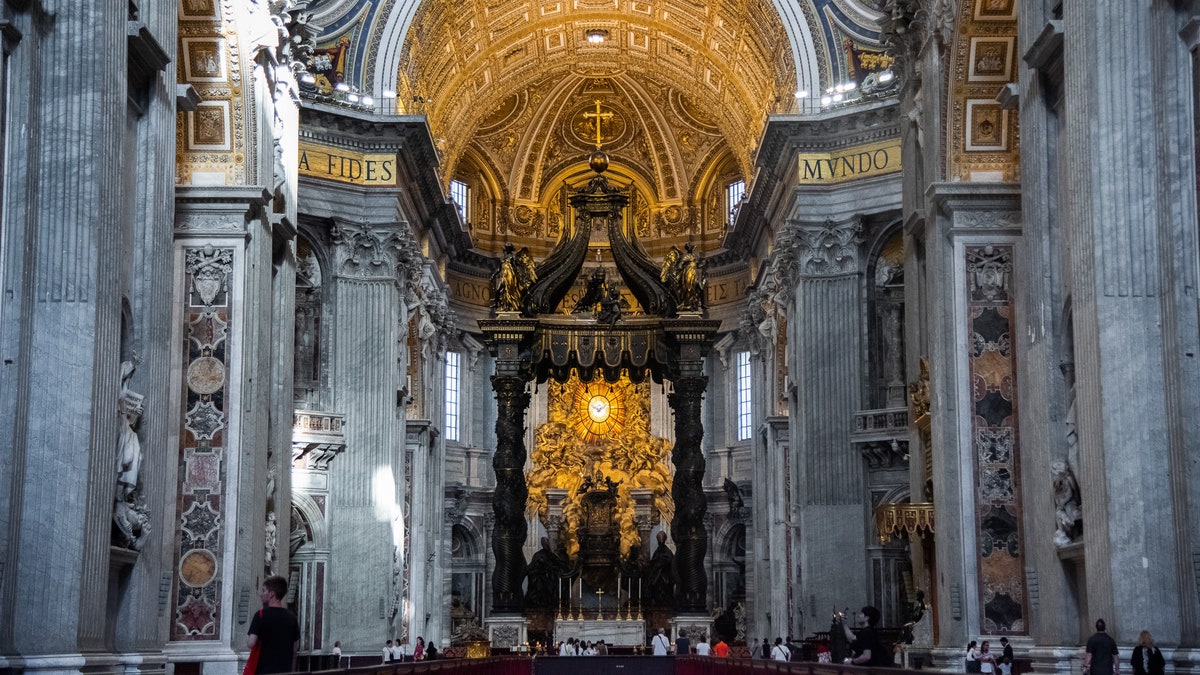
(506, 321)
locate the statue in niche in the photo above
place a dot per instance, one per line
(513, 279)
(271, 541)
(1068, 514)
(736, 503)
(129, 448)
(131, 520)
(131, 516)
(661, 577)
(683, 273)
(544, 571)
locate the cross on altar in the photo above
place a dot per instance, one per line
(599, 116)
(600, 595)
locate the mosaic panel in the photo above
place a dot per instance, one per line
(204, 59)
(991, 59)
(987, 126)
(996, 10)
(992, 367)
(202, 442)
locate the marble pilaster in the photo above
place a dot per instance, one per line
(370, 568)
(222, 242)
(63, 240)
(1131, 264)
(973, 381)
(828, 487)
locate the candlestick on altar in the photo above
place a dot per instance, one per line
(629, 604)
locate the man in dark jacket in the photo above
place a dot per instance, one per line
(1101, 656)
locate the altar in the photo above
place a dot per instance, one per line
(620, 633)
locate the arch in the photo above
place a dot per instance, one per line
(315, 529)
(465, 537)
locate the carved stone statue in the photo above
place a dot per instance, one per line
(129, 448)
(271, 541)
(1068, 515)
(131, 516)
(661, 577)
(131, 520)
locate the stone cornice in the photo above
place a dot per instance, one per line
(976, 208)
(221, 211)
(791, 134)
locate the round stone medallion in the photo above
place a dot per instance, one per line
(206, 375)
(197, 567)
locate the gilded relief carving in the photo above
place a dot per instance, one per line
(596, 431)
(982, 137)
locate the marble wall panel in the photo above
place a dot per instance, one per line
(992, 364)
(202, 442)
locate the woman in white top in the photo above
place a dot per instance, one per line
(987, 661)
(972, 658)
(779, 652)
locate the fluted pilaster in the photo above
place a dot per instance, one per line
(365, 484)
(1111, 182)
(62, 240)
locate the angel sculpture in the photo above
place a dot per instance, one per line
(512, 281)
(595, 292)
(683, 273)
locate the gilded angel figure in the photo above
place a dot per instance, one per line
(683, 274)
(512, 281)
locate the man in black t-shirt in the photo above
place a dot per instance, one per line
(1101, 656)
(275, 630)
(869, 650)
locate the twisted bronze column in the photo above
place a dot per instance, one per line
(508, 502)
(687, 528)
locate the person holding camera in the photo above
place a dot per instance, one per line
(868, 648)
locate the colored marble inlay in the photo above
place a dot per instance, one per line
(203, 423)
(992, 363)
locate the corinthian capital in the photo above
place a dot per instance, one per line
(376, 251)
(827, 249)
